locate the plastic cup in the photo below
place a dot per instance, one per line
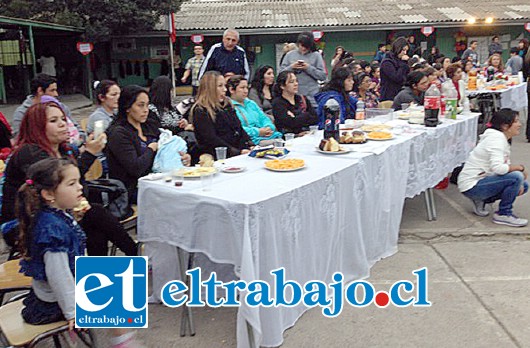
(405, 106)
(206, 181)
(220, 153)
(289, 138)
(313, 129)
(278, 143)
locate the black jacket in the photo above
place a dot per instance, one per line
(393, 75)
(226, 131)
(124, 153)
(283, 112)
(17, 168)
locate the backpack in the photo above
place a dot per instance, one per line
(112, 194)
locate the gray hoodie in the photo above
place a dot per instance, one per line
(21, 111)
(307, 79)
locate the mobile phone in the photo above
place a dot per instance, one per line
(300, 62)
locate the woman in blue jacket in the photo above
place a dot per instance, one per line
(254, 121)
(338, 88)
(394, 69)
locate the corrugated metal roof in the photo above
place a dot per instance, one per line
(248, 14)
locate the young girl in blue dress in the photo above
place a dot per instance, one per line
(50, 239)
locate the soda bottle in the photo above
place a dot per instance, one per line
(451, 99)
(359, 113)
(431, 103)
(332, 121)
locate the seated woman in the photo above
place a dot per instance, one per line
(43, 134)
(362, 90)
(214, 118)
(292, 113)
(338, 88)
(489, 176)
(495, 61)
(161, 109)
(254, 121)
(414, 90)
(133, 140)
(454, 74)
(261, 90)
(107, 95)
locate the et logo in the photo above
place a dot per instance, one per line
(110, 292)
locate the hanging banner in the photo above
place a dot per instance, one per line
(317, 35)
(85, 47)
(527, 27)
(427, 31)
(197, 38)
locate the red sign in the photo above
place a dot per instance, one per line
(85, 47)
(197, 38)
(427, 31)
(317, 35)
(527, 27)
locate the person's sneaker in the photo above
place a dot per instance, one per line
(479, 208)
(509, 220)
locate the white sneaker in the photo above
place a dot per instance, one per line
(509, 220)
(479, 208)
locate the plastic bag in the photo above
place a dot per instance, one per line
(168, 157)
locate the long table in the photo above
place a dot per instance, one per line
(512, 97)
(340, 213)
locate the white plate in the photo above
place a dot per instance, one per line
(285, 170)
(375, 139)
(341, 152)
(233, 169)
(195, 172)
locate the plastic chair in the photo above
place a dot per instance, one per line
(11, 279)
(17, 333)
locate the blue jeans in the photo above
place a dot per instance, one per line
(504, 187)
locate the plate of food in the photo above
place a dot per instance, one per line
(285, 165)
(196, 172)
(353, 137)
(380, 136)
(331, 147)
(233, 169)
(376, 127)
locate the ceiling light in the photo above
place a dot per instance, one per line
(471, 20)
(489, 20)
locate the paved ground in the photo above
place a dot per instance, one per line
(479, 276)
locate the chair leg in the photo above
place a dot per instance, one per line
(57, 341)
(88, 338)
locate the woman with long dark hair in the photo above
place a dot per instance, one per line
(338, 88)
(292, 112)
(362, 90)
(43, 134)
(394, 69)
(488, 174)
(161, 108)
(261, 88)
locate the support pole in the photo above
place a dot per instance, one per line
(32, 49)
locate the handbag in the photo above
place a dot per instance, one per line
(112, 194)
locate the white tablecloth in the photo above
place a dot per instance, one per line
(513, 97)
(340, 213)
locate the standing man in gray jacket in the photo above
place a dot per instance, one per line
(308, 65)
